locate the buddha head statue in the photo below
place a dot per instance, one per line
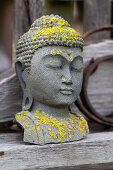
(49, 66)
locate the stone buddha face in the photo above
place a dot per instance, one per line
(55, 78)
(49, 66)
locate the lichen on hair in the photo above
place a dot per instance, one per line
(46, 31)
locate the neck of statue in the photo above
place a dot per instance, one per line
(50, 110)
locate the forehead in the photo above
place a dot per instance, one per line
(69, 53)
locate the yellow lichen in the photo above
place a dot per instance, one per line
(68, 54)
(57, 33)
(56, 51)
(53, 29)
(63, 127)
(47, 31)
(71, 56)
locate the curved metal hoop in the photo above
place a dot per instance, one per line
(86, 106)
(84, 103)
(99, 29)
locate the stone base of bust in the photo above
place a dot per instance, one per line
(41, 128)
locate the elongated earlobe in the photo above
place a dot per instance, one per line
(27, 100)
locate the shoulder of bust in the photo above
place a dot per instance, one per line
(80, 120)
(24, 117)
(28, 122)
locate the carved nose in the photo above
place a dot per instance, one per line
(67, 79)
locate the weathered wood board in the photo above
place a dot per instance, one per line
(94, 152)
(100, 87)
(97, 13)
(10, 96)
(26, 11)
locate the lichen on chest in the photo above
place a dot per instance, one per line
(45, 128)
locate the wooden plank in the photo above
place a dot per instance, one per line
(97, 13)
(10, 96)
(100, 87)
(26, 11)
(36, 9)
(94, 152)
(4, 61)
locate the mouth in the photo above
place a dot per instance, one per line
(66, 91)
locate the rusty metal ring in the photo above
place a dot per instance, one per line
(99, 29)
(86, 106)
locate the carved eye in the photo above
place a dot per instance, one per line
(76, 69)
(54, 62)
(77, 64)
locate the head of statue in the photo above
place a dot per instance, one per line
(49, 63)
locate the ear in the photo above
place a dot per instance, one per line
(20, 71)
(22, 76)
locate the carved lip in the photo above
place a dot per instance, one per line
(66, 91)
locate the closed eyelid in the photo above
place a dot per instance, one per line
(56, 60)
(76, 62)
(78, 57)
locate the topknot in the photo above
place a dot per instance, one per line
(49, 21)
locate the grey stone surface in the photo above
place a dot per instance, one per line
(51, 79)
